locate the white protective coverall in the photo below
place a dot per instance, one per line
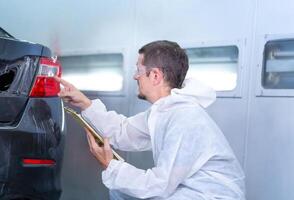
(192, 158)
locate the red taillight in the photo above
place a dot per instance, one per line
(45, 84)
(28, 162)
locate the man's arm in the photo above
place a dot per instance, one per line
(129, 134)
(184, 151)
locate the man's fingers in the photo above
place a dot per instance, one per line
(102, 154)
(65, 98)
(88, 138)
(92, 143)
(57, 79)
(63, 82)
(91, 139)
(64, 94)
(106, 144)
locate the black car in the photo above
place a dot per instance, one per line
(31, 121)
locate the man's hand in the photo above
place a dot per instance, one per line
(104, 153)
(72, 95)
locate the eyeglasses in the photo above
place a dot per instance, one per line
(141, 70)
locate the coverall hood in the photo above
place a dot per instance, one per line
(196, 92)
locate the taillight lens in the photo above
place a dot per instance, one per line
(45, 84)
(29, 162)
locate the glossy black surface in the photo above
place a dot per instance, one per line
(11, 108)
(14, 90)
(38, 135)
(30, 128)
(12, 49)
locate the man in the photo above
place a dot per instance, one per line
(192, 157)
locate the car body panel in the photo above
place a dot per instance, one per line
(12, 49)
(30, 127)
(39, 134)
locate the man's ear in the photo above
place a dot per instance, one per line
(157, 76)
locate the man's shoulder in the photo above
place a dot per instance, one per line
(184, 114)
(184, 108)
(175, 103)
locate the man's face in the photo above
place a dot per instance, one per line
(142, 79)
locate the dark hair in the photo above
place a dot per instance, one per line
(170, 58)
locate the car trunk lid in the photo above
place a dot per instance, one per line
(19, 62)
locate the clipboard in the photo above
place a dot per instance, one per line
(85, 124)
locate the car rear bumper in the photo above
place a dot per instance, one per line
(38, 135)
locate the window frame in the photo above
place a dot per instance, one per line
(260, 91)
(121, 51)
(240, 44)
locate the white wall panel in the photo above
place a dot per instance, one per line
(94, 25)
(270, 130)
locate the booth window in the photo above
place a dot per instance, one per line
(97, 72)
(278, 65)
(214, 66)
